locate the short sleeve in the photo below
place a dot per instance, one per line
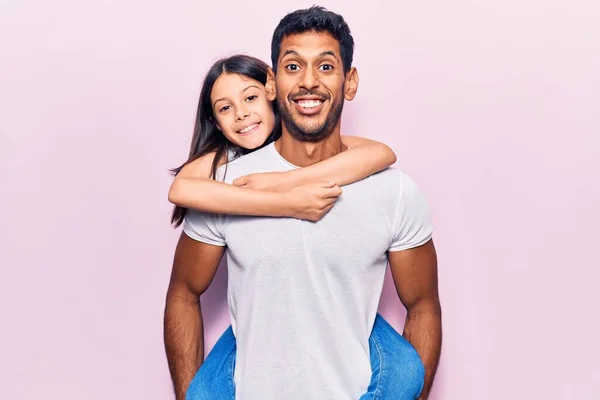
(413, 225)
(203, 227)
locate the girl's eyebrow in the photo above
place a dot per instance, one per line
(224, 98)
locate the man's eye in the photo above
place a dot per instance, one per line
(251, 98)
(326, 67)
(224, 108)
(292, 67)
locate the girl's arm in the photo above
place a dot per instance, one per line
(193, 188)
(363, 158)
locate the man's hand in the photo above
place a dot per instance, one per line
(271, 181)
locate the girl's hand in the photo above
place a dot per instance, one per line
(312, 201)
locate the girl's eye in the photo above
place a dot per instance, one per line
(224, 108)
(251, 98)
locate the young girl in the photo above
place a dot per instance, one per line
(234, 118)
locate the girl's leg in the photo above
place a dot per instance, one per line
(214, 379)
(398, 372)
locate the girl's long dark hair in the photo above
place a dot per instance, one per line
(207, 138)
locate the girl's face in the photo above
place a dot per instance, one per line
(243, 110)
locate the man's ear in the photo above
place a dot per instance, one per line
(270, 87)
(351, 84)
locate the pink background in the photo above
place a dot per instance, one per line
(492, 106)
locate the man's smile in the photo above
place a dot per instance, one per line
(308, 105)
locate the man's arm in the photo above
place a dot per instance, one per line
(194, 267)
(415, 276)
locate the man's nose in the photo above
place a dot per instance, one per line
(309, 79)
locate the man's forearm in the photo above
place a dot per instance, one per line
(184, 342)
(423, 329)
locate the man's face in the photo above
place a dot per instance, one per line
(311, 86)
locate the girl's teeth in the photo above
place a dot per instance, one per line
(248, 129)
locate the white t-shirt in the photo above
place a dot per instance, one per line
(302, 295)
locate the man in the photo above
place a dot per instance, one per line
(303, 296)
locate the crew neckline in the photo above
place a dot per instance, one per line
(281, 158)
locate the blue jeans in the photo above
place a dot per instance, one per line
(397, 370)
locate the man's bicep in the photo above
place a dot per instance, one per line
(415, 274)
(194, 265)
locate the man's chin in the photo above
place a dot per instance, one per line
(309, 125)
(311, 134)
(307, 128)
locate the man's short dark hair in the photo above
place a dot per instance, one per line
(314, 19)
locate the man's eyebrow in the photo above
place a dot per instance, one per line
(223, 98)
(287, 52)
(295, 53)
(328, 53)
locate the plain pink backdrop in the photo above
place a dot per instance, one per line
(492, 106)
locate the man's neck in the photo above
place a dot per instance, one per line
(303, 154)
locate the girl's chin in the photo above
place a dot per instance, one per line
(251, 144)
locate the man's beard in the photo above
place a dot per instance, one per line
(305, 133)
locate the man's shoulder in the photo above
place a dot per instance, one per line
(392, 173)
(391, 183)
(392, 176)
(260, 160)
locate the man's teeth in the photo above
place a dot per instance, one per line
(249, 128)
(309, 103)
